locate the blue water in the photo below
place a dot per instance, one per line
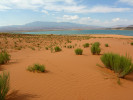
(119, 32)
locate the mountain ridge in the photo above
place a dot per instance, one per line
(42, 26)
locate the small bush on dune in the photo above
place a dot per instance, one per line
(95, 49)
(131, 43)
(36, 67)
(78, 51)
(4, 57)
(57, 49)
(33, 48)
(69, 41)
(106, 45)
(86, 45)
(122, 65)
(4, 85)
(46, 48)
(69, 46)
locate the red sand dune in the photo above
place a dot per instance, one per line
(69, 76)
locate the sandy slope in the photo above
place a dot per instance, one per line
(69, 77)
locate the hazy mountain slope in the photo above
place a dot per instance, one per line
(40, 26)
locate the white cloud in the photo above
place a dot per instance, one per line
(53, 5)
(31, 4)
(84, 9)
(44, 11)
(88, 20)
(97, 22)
(94, 21)
(130, 2)
(115, 19)
(2, 8)
(68, 17)
(119, 20)
(68, 8)
(106, 9)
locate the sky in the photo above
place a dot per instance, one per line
(90, 12)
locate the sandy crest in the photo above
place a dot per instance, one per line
(69, 77)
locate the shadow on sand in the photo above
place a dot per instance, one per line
(2, 68)
(129, 77)
(15, 95)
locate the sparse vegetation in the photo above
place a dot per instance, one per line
(95, 48)
(68, 41)
(36, 68)
(4, 57)
(51, 49)
(131, 43)
(106, 45)
(69, 46)
(122, 65)
(46, 48)
(4, 85)
(32, 48)
(118, 81)
(86, 45)
(78, 51)
(57, 49)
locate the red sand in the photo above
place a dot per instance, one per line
(69, 76)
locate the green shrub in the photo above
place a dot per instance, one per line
(69, 46)
(78, 51)
(36, 67)
(69, 41)
(106, 45)
(4, 57)
(86, 45)
(57, 49)
(51, 49)
(4, 85)
(95, 49)
(46, 48)
(33, 48)
(18, 47)
(131, 43)
(122, 65)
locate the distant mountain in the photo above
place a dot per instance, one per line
(116, 26)
(130, 27)
(42, 26)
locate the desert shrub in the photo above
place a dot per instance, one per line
(86, 45)
(36, 67)
(18, 47)
(95, 48)
(33, 48)
(131, 43)
(4, 85)
(106, 45)
(69, 46)
(51, 49)
(46, 48)
(78, 51)
(68, 41)
(57, 49)
(122, 65)
(4, 57)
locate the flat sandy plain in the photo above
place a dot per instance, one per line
(69, 76)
